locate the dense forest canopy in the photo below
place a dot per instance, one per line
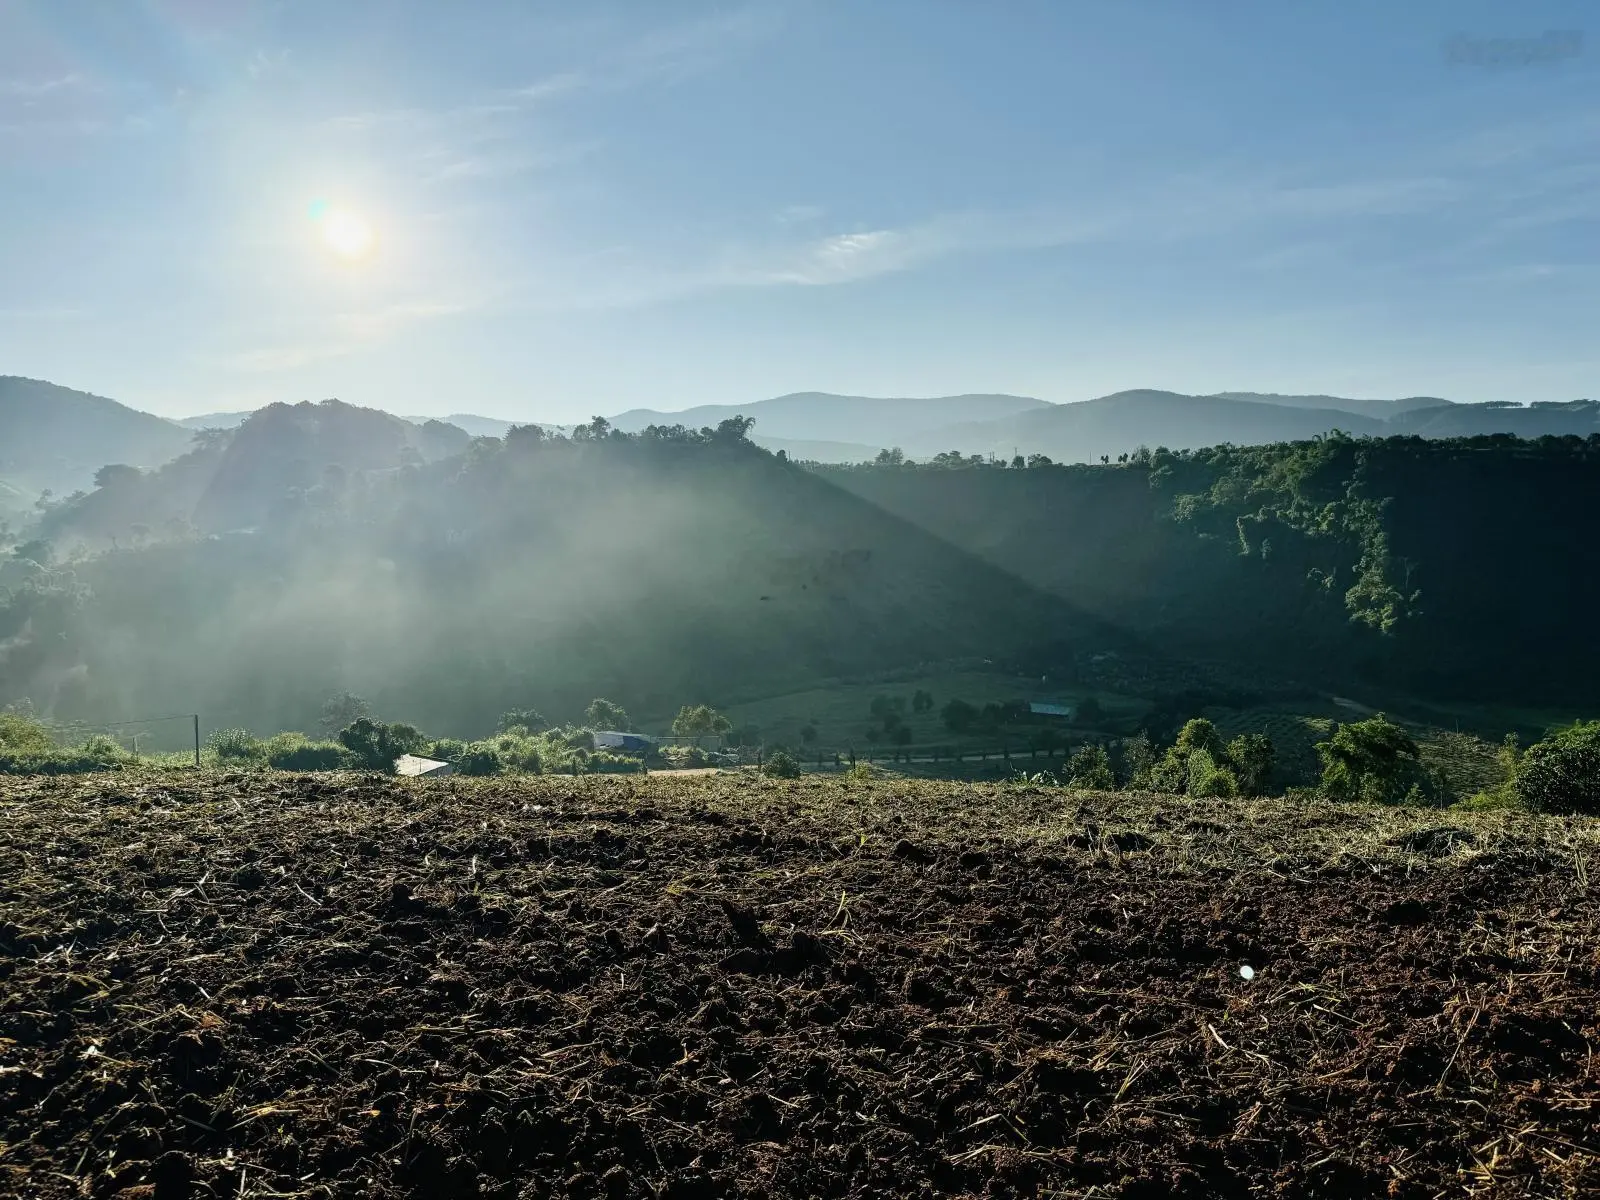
(1442, 568)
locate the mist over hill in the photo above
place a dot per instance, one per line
(321, 547)
(822, 416)
(56, 438)
(1381, 410)
(217, 420)
(235, 479)
(1117, 424)
(531, 571)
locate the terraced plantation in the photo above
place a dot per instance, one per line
(273, 985)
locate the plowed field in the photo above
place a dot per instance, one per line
(269, 985)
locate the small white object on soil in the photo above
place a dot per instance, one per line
(1247, 972)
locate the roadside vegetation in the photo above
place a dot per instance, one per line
(1374, 760)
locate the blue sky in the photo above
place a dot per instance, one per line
(580, 209)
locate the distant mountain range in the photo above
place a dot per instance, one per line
(821, 416)
(56, 438)
(829, 428)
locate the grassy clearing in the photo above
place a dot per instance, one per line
(840, 713)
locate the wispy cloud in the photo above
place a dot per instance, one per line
(43, 313)
(348, 333)
(34, 88)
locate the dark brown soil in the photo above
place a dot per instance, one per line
(298, 986)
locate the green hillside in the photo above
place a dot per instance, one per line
(1440, 569)
(54, 437)
(534, 572)
(235, 479)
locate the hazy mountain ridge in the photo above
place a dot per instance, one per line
(57, 438)
(1119, 423)
(1380, 409)
(824, 416)
(526, 572)
(231, 479)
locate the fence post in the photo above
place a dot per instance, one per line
(197, 741)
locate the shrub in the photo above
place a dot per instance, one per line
(699, 720)
(1207, 779)
(374, 746)
(234, 745)
(21, 734)
(57, 762)
(446, 749)
(1138, 760)
(1251, 757)
(528, 720)
(1090, 768)
(296, 752)
(1199, 734)
(26, 749)
(478, 759)
(781, 765)
(523, 754)
(603, 762)
(1373, 760)
(603, 714)
(680, 757)
(1561, 774)
(102, 747)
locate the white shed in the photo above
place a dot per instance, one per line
(418, 767)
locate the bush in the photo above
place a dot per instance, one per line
(680, 757)
(234, 745)
(26, 749)
(1138, 760)
(1208, 780)
(374, 746)
(1251, 757)
(446, 749)
(296, 752)
(1561, 774)
(1375, 761)
(57, 762)
(20, 734)
(479, 759)
(603, 762)
(603, 714)
(781, 765)
(525, 720)
(1090, 768)
(524, 754)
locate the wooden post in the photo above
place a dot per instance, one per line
(197, 741)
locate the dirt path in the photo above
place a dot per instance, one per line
(278, 986)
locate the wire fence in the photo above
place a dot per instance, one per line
(125, 733)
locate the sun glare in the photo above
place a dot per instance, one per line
(346, 234)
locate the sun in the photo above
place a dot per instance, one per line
(347, 234)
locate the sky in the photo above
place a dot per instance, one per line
(548, 211)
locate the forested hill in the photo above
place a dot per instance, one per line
(283, 454)
(56, 438)
(1444, 569)
(657, 570)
